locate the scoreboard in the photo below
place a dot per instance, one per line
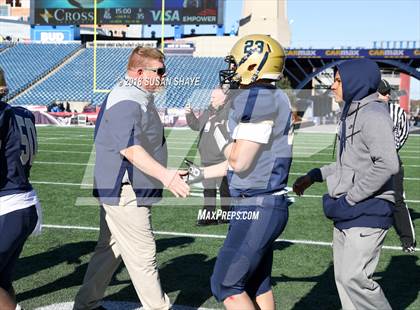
(77, 12)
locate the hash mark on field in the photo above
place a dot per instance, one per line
(211, 236)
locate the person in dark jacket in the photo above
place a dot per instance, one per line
(360, 197)
(402, 219)
(211, 123)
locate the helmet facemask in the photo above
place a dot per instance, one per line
(229, 76)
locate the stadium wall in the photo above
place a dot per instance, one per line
(15, 29)
(206, 46)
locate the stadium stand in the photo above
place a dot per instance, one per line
(24, 64)
(73, 82)
(189, 79)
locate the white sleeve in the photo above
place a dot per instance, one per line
(255, 132)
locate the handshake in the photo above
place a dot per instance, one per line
(195, 173)
(178, 181)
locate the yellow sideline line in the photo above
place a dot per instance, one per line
(162, 28)
(95, 22)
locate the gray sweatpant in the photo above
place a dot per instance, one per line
(356, 255)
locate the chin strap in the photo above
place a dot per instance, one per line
(260, 66)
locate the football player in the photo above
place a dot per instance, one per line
(18, 200)
(258, 161)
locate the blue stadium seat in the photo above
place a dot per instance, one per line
(74, 80)
(24, 63)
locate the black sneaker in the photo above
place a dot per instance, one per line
(99, 308)
(207, 222)
(409, 247)
(224, 221)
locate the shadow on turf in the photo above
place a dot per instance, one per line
(399, 282)
(188, 274)
(72, 253)
(414, 214)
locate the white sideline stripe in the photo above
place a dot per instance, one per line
(329, 162)
(405, 178)
(195, 194)
(46, 139)
(196, 157)
(46, 135)
(295, 150)
(85, 152)
(67, 152)
(181, 234)
(62, 183)
(330, 154)
(66, 144)
(62, 163)
(115, 305)
(192, 194)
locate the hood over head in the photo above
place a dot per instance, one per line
(360, 78)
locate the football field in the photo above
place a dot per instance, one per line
(52, 265)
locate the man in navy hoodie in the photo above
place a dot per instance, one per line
(360, 198)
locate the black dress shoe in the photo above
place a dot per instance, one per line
(207, 222)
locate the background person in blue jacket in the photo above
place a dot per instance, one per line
(360, 197)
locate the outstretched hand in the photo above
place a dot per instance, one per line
(173, 180)
(301, 184)
(195, 173)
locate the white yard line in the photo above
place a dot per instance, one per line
(63, 138)
(66, 144)
(116, 305)
(62, 163)
(62, 183)
(192, 194)
(329, 162)
(211, 236)
(405, 178)
(174, 156)
(64, 151)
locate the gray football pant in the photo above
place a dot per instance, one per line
(356, 255)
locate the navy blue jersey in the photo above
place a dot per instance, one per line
(262, 114)
(18, 146)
